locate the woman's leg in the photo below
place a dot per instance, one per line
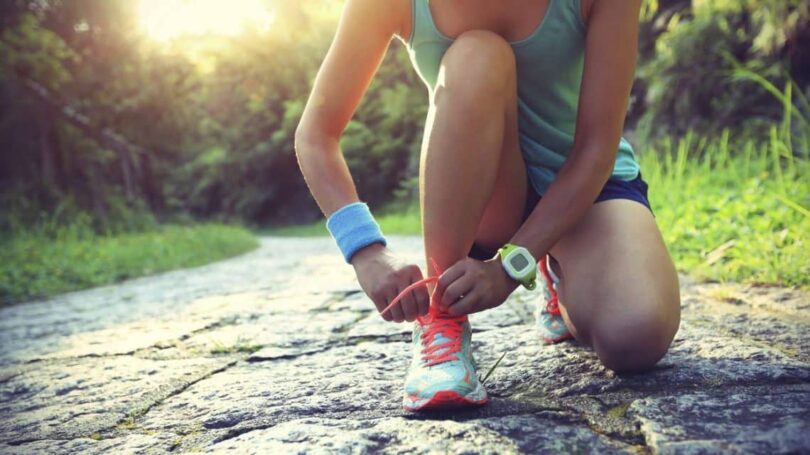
(473, 187)
(619, 289)
(473, 179)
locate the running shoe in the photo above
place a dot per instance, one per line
(442, 371)
(548, 318)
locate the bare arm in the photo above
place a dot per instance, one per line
(610, 57)
(365, 30)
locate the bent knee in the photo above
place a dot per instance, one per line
(479, 56)
(635, 342)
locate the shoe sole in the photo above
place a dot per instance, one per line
(446, 399)
(567, 336)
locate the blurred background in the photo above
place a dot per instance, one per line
(143, 135)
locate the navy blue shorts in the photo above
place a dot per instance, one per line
(634, 190)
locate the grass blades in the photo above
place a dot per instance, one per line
(484, 381)
(35, 264)
(738, 216)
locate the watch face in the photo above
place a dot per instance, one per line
(519, 262)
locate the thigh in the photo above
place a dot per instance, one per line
(617, 275)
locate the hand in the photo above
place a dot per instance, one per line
(471, 285)
(383, 276)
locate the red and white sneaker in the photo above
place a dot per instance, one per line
(442, 373)
(547, 316)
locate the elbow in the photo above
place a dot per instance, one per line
(301, 140)
(308, 139)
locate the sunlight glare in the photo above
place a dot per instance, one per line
(164, 20)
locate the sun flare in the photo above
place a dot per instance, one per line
(164, 20)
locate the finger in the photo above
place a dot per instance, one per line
(408, 304)
(471, 303)
(422, 300)
(396, 311)
(411, 287)
(380, 303)
(420, 294)
(450, 275)
(454, 291)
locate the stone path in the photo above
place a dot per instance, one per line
(277, 351)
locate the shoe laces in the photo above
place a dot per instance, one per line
(435, 324)
(552, 301)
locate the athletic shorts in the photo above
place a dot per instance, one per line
(634, 190)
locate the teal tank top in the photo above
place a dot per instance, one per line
(549, 73)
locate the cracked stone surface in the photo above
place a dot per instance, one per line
(278, 351)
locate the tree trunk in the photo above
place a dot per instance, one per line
(46, 155)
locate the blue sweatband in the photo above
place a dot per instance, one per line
(353, 228)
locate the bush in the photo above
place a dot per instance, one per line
(689, 76)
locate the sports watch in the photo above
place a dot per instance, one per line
(519, 264)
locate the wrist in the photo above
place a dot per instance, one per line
(509, 283)
(354, 228)
(366, 253)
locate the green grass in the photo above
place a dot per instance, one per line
(37, 265)
(733, 217)
(727, 212)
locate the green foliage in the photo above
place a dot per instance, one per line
(689, 76)
(213, 119)
(32, 50)
(216, 116)
(38, 264)
(732, 210)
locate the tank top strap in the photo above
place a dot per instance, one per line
(422, 27)
(570, 13)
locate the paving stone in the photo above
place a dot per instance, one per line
(277, 335)
(698, 357)
(38, 328)
(134, 443)
(80, 397)
(360, 380)
(750, 420)
(772, 316)
(541, 433)
(279, 351)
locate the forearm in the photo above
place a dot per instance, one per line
(330, 183)
(566, 201)
(325, 171)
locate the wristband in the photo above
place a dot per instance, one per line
(353, 228)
